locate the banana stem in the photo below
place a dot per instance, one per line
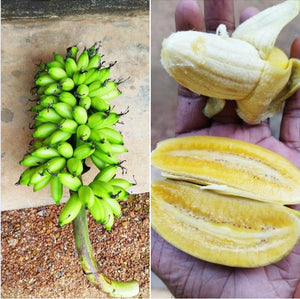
(90, 266)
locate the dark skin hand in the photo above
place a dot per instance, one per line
(184, 275)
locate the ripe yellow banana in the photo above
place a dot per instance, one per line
(228, 196)
(229, 166)
(245, 67)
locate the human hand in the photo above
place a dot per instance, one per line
(184, 275)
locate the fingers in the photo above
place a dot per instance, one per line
(290, 125)
(219, 12)
(188, 16)
(248, 13)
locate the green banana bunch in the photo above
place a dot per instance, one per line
(73, 122)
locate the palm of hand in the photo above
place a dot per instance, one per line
(185, 275)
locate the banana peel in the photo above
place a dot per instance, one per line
(223, 200)
(245, 67)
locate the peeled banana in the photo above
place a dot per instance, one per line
(245, 67)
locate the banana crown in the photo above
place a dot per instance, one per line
(245, 67)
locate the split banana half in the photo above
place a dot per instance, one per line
(245, 67)
(223, 200)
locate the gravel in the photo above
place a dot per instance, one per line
(39, 259)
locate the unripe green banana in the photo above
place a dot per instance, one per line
(114, 205)
(104, 89)
(118, 148)
(102, 189)
(101, 120)
(79, 77)
(44, 80)
(96, 135)
(41, 90)
(55, 63)
(119, 193)
(48, 101)
(69, 181)
(45, 152)
(104, 146)
(71, 66)
(98, 211)
(83, 151)
(72, 52)
(91, 76)
(66, 84)
(65, 149)
(44, 130)
(83, 61)
(86, 195)
(53, 88)
(80, 115)
(37, 108)
(57, 73)
(99, 104)
(31, 161)
(110, 219)
(98, 162)
(48, 115)
(85, 102)
(94, 85)
(68, 98)
(108, 159)
(110, 95)
(82, 91)
(38, 175)
(42, 183)
(56, 164)
(36, 143)
(26, 176)
(121, 183)
(70, 210)
(103, 74)
(56, 188)
(94, 61)
(75, 166)
(59, 136)
(59, 58)
(68, 125)
(106, 174)
(64, 110)
(83, 132)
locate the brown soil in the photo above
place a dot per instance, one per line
(39, 259)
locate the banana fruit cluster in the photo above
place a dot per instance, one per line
(223, 200)
(74, 121)
(245, 67)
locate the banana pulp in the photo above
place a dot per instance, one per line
(245, 67)
(223, 200)
(220, 228)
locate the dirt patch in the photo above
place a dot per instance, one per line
(39, 259)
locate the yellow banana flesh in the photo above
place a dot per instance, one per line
(229, 166)
(222, 229)
(246, 67)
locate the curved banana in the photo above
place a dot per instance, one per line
(65, 149)
(56, 188)
(75, 166)
(86, 195)
(107, 174)
(214, 64)
(70, 181)
(70, 210)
